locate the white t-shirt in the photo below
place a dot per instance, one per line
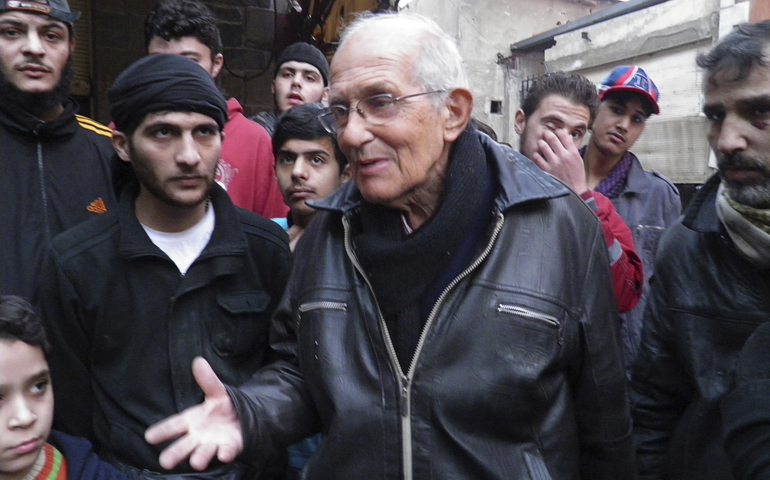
(184, 247)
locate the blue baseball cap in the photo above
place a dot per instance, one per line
(628, 78)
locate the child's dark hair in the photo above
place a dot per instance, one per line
(18, 321)
(301, 123)
(175, 19)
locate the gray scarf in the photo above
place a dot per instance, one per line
(751, 241)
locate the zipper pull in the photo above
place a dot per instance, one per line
(404, 396)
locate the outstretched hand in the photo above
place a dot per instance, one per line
(203, 431)
(558, 155)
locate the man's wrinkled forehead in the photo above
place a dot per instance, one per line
(727, 72)
(371, 65)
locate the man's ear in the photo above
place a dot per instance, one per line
(217, 64)
(520, 121)
(325, 97)
(73, 44)
(120, 144)
(346, 174)
(459, 104)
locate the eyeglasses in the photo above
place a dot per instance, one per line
(377, 110)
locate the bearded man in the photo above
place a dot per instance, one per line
(449, 312)
(57, 166)
(711, 284)
(174, 272)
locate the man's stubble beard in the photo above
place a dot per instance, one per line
(755, 194)
(38, 104)
(155, 185)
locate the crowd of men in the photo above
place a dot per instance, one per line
(364, 284)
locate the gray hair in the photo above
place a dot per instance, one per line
(438, 64)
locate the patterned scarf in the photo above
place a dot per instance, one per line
(749, 228)
(49, 465)
(613, 184)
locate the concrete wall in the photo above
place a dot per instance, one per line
(485, 29)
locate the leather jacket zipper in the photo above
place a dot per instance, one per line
(306, 307)
(548, 320)
(405, 381)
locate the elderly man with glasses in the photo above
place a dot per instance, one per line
(450, 312)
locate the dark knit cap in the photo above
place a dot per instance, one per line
(58, 9)
(163, 82)
(306, 53)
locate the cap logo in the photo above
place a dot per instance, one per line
(33, 7)
(634, 78)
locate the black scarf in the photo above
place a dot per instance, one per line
(403, 268)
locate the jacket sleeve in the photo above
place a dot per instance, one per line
(274, 406)
(660, 391)
(625, 264)
(70, 342)
(746, 410)
(599, 387)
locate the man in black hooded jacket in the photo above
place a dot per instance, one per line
(56, 165)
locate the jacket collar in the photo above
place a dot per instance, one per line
(701, 214)
(636, 181)
(22, 122)
(227, 238)
(518, 181)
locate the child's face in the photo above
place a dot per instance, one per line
(26, 406)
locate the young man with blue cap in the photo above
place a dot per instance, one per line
(647, 201)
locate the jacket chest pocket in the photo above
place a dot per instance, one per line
(243, 323)
(527, 339)
(321, 326)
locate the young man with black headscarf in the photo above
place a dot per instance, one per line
(56, 169)
(175, 272)
(188, 28)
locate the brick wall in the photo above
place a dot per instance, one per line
(248, 30)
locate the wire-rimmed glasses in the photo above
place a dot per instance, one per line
(378, 110)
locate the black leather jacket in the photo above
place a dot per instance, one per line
(705, 301)
(518, 373)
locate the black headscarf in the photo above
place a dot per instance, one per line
(162, 82)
